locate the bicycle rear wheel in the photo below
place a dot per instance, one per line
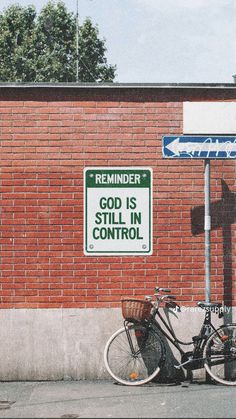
(133, 355)
(220, 355)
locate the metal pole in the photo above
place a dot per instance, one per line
(77, 41)
(207, 228)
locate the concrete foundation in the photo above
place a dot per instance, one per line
(63, 344)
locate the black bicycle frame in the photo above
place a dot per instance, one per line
(198, 341)
(206, 329)
(135, 353)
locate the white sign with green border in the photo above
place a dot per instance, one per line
(117, 211)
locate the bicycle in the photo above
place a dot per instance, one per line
(136, 353)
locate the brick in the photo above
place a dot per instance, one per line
(44, 147)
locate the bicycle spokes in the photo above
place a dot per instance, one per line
(133, 355)
(220, 355)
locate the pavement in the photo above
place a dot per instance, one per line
(105, 399)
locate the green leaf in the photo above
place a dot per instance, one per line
(42, 48)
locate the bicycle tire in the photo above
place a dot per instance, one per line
(220, 355)
(138, 368)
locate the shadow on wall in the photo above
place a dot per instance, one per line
(168, 372)
(222, 216)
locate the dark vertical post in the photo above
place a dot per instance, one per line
(207, 228)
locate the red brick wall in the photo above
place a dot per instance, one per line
(48, 135)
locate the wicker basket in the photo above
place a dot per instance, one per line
(134, 309)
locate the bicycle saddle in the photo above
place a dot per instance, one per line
(209, 306)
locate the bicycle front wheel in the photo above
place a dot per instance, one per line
(133, 355)
(220, 355)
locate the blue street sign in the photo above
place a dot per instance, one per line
(197, 147)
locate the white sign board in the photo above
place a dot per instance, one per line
(117, 211)
(209, 118)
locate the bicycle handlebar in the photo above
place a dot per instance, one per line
(160, 297)
(157, 289)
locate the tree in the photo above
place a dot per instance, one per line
(54, 43)
(43, 48)
(17, 26)
(92, 60)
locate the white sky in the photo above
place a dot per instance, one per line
(163, 41)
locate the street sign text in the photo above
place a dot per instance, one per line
(118, 211)
(197, 147)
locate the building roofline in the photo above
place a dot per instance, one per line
(119, 85)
